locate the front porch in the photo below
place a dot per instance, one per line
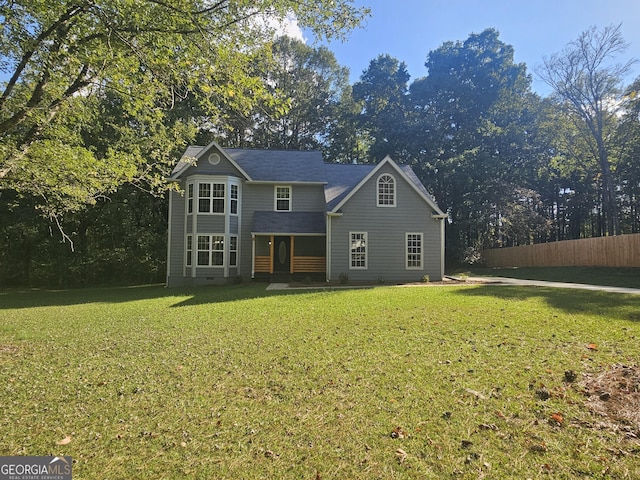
(288, 255)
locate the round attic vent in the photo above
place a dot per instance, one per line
(214, 158)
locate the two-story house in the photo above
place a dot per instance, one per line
(266, 214)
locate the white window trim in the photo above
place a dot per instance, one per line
(406, 251)
(395, 192)
(275, 197)
(211, 199)
(188, 252)
(210, 250)
(233, 265)
(365, 237)
(190, 197)
(237, 199)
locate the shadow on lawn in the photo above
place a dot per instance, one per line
(608, 305)
(33, 298)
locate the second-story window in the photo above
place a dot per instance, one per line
(283, 199)
(211, 197)
(386, 191)
(190, 198)
(234, 199)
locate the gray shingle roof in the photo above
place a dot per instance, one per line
(289, 223)
(341, 179)
(280, 165)
(291, 166)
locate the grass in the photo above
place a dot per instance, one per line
(615, 277)
(394, 383)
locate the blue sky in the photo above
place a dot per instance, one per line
(409, 29)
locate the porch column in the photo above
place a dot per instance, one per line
(253, 256)
(291, 269)
(272, 241)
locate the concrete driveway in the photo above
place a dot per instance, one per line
(540, 283)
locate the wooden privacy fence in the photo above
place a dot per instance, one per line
(618, 251)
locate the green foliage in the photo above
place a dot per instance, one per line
(472, 123)
(382, 94)
(305, 87)
(143, 55)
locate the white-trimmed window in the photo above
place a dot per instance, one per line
(233, 201)
(233, 251)
(414, 250)
(386, 190)
(211, 197)
(283, 198)
(189, 250)
(358, 250)
(210, 250)
(190, 198)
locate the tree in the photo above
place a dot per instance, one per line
(589, 87)
(628, 152)
(148, 54)
(472, 120)
(382, 92)
(309, 83)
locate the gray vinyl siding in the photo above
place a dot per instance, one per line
(386, 229)
(260, 197)
(176, 240)
(304, 198)
(210, 224)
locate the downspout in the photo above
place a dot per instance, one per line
(327, 259)
(253, 256)
(442, 248)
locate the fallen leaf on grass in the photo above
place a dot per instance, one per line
(538, 447)
(401, 454)
(475, 394)
(398, 432)
(592, 346)
(65, 441)
(558, 418)
(488, 426)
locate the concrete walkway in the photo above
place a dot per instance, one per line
(540, 283)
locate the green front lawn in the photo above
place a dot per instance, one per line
(235, 382)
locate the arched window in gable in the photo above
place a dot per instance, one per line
(386, 190)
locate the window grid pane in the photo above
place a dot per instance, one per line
(190, 198)
(233, 251)
(358, 250)
(203, 250)
(218, 198)
(234, 199)
(386, 190)
(189, 249)
(414, 250)
(204, 197)
(283, 198)
(217, 254)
